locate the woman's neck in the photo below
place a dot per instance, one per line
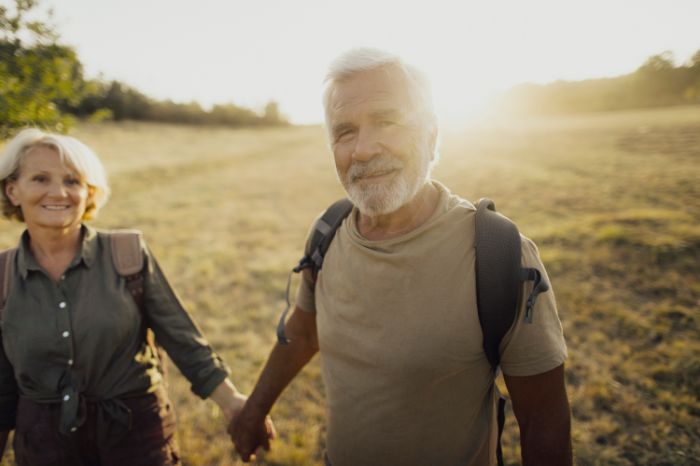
(54, 249)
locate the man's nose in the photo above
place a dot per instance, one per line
(368, 144)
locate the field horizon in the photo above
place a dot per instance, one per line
(611, 199)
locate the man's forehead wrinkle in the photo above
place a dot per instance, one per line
(384, 103)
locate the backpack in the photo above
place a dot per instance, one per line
(127, 258)
(498, 277)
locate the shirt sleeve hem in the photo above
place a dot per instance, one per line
(535, 369)
(205, 389)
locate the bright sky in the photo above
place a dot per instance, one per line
(248, 52)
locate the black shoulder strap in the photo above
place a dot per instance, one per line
(498, 277)
(324, 232)
(6, 259)
(321, 237)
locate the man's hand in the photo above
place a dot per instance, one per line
(249, 430)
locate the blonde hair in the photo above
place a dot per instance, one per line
(72, 152)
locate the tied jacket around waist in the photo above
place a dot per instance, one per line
(83, 338)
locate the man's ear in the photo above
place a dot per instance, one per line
(433, 140)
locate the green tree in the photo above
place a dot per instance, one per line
(37, 74)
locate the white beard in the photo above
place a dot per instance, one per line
(385, 196)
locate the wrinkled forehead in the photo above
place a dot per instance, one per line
(381, 88)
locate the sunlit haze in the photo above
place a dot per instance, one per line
(247, 53)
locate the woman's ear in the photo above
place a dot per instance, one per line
(10, 192)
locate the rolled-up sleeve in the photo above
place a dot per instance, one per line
(8, 392)
(178, 334)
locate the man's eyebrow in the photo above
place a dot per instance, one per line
(340, 127)
(388, 113)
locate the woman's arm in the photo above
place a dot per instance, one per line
(229, 399)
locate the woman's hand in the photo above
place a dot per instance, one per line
(229, 399)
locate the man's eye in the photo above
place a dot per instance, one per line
(343, 135)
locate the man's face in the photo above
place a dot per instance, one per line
(382, 146)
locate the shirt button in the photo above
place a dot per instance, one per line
(65, 334)
(63, 277)
(70, 362)
(66, 397)
(62, 304)
(73, 429)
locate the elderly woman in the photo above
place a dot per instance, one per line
(79, 381)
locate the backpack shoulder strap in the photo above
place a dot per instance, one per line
(322, 235)
(316, 248)
(126, 251)
(7, 258)
(127, 257)
(497, 275)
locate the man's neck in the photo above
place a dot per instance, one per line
(404, 220)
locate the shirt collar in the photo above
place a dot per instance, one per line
(88, 250)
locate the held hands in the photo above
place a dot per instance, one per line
(251, 429)
(248, 431)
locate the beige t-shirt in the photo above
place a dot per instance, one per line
(406, 376)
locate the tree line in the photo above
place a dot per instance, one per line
(657, 82)
(42, 83)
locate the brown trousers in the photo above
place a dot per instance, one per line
(98, 442)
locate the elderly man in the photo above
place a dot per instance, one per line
(393, 310)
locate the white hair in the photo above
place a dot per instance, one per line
(358, 60)
(72, 152)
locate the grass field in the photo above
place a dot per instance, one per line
(612, 200)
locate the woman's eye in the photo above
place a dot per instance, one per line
(39, 178)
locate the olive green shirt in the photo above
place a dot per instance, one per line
(83, 338)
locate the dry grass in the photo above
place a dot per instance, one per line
(613, 201)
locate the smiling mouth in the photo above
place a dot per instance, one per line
(374, 175)
(56, 207)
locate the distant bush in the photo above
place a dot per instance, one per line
(657, 82)
(127, 103)
(42, 84)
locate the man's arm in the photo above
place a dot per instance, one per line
(542, 410)
(248, 430)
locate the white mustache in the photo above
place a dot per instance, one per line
(377, 165)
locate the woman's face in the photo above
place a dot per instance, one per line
(50, 194)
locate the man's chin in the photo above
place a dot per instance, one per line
(374, 207)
